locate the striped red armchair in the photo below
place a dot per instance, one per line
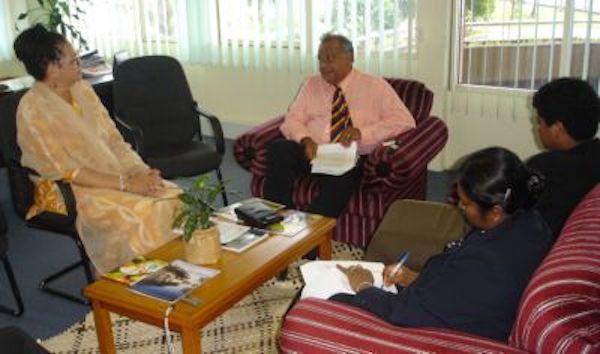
(390, 173)
(559, 310)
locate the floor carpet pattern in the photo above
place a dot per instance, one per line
(251, 326)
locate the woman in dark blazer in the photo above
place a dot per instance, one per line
(476, 285)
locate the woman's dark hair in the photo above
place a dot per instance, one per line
(496, 176)
(36, 47)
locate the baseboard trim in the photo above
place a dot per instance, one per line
(231, 130)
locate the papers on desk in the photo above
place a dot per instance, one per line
(334, 159)
(323, 279)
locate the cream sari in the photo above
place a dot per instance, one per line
(56, 141)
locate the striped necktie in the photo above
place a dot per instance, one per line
(340, 115)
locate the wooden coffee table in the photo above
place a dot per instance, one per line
(241, 273)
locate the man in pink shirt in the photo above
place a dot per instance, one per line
(372, 113)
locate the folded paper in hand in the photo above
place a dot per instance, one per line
(323, 279)
(334, 159)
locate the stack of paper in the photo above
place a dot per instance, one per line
(323, 279)
(335, 159)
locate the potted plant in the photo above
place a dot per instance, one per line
(200, 235)
(58, 16)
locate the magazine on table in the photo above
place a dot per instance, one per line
(174, 281)
(135, 270)
(323, 279)
(246, 240)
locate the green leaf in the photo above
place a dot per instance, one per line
(65, 8)
(186, 198)
(178, 220)
(189, 227)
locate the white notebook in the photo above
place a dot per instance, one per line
(335, 159)
(322, 279)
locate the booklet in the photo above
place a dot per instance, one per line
(174, 281)
(135, 270)
(323, 279)
(229, 231)
(335, 159)
(246, 240)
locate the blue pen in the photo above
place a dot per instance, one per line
(401, 260)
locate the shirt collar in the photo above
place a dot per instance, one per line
(347, 80)
(344, 84)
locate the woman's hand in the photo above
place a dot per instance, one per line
(358, 277)
(403, 277)
(148, 183)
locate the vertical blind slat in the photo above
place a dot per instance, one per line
(535, 45)
(588, 35)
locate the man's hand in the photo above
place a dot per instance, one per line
(404, 276)
(310, 148)
(358, 277)
(349, 135)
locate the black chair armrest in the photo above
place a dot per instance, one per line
(132, 134)
(215, 125)
(69, 199)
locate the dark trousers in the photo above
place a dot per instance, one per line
(14, 341)
(286, 161)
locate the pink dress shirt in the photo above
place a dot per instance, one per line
(375, 108)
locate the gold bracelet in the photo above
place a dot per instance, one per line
(359, 287)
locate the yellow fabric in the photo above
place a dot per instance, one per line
(56, 142)
(46, 197)
(77, 108)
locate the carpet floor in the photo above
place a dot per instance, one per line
(251, 326)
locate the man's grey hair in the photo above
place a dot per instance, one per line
(343, 40)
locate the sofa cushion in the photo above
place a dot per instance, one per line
(321, 326)
(560, 308)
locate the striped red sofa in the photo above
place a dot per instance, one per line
(390, 173)
(559, 310)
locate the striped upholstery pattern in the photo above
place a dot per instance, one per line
(320, 326)
(389, 173)
(560, 309)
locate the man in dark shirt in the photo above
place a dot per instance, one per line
(568, 112)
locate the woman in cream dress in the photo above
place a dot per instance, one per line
(124, 208)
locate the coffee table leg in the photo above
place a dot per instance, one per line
(325, 247)
(104, 332)
(191, 341)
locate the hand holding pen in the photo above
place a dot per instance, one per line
(394, 274)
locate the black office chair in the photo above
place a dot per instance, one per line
(9, 271)
(155, 110)
(21, 189)
(119, 57)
